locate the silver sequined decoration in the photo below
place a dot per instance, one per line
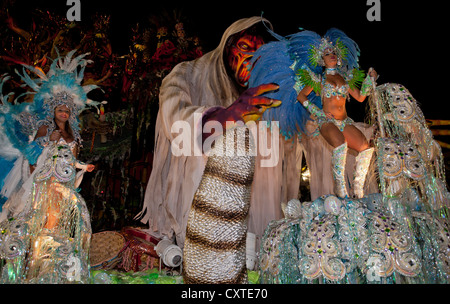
(214, 251)
(49, 242)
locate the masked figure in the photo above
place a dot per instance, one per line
(214, 88)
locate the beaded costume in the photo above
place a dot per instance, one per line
(45, 224)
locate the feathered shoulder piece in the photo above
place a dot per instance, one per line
(277, 62)
(272, 63)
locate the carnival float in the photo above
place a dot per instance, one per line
(397, 231)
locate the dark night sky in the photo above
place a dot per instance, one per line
(404, 47)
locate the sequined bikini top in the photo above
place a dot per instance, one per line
(329, 90)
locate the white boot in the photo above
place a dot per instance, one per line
(338, 161)
(362, 166)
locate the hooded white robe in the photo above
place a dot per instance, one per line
(192, 88)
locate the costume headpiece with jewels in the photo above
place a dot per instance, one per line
(317, 53)
(335, 40)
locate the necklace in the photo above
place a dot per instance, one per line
(331, 71)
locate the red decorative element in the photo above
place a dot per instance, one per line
(140, 253)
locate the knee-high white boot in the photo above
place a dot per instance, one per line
(338, 161)
(362, 166)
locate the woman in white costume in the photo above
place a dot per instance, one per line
(46, 227)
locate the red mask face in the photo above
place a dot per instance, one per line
(240, 54)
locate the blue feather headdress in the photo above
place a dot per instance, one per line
(60, 86)
(294, 62)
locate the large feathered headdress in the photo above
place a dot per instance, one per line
(61, 85)
(337, 41)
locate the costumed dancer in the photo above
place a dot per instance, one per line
(46, 227)
(399, 235)
(324, 72)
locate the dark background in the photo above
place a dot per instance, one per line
(406, 46)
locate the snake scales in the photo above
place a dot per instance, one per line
(214, 250)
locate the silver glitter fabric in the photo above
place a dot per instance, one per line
(280, 252)
(337, 240)
(49, 242)
(390, 248)
(362, 166)
(214, 251)
(434, 236)
(338, 161)
(321, 251)
(408, 155)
